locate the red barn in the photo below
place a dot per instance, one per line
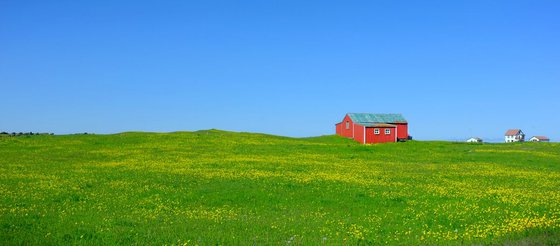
(373, 128)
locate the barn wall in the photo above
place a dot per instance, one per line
(371, 137)
(359, 133)
(346, 132)
(402, 130)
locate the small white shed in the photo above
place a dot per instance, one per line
(539, 139)
(474, 140)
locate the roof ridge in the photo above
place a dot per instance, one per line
(511, 132)
(377, 117)
(374, 113)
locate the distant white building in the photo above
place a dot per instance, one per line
(514, 135)
(474, 140)
(539, 139)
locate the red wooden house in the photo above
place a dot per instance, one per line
(373, 128)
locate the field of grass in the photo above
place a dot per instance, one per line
(215, 187)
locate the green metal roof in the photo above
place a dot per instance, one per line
(376, 118)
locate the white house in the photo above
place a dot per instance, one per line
(514, 135)
(474, 140)
(539, 139)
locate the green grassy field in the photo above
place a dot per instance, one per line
(215, 187)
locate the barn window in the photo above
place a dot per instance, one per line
(387, 131)
(376, 131)
(347, 125)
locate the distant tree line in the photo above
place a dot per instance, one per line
(23, 133)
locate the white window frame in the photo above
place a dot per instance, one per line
(387, 131)
(347, 125)
(376, 131)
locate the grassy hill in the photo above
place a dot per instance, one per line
(215, 187)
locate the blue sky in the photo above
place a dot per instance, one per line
(454, 69)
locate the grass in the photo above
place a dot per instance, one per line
(216, 187)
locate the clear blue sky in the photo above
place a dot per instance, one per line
(454, 69)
